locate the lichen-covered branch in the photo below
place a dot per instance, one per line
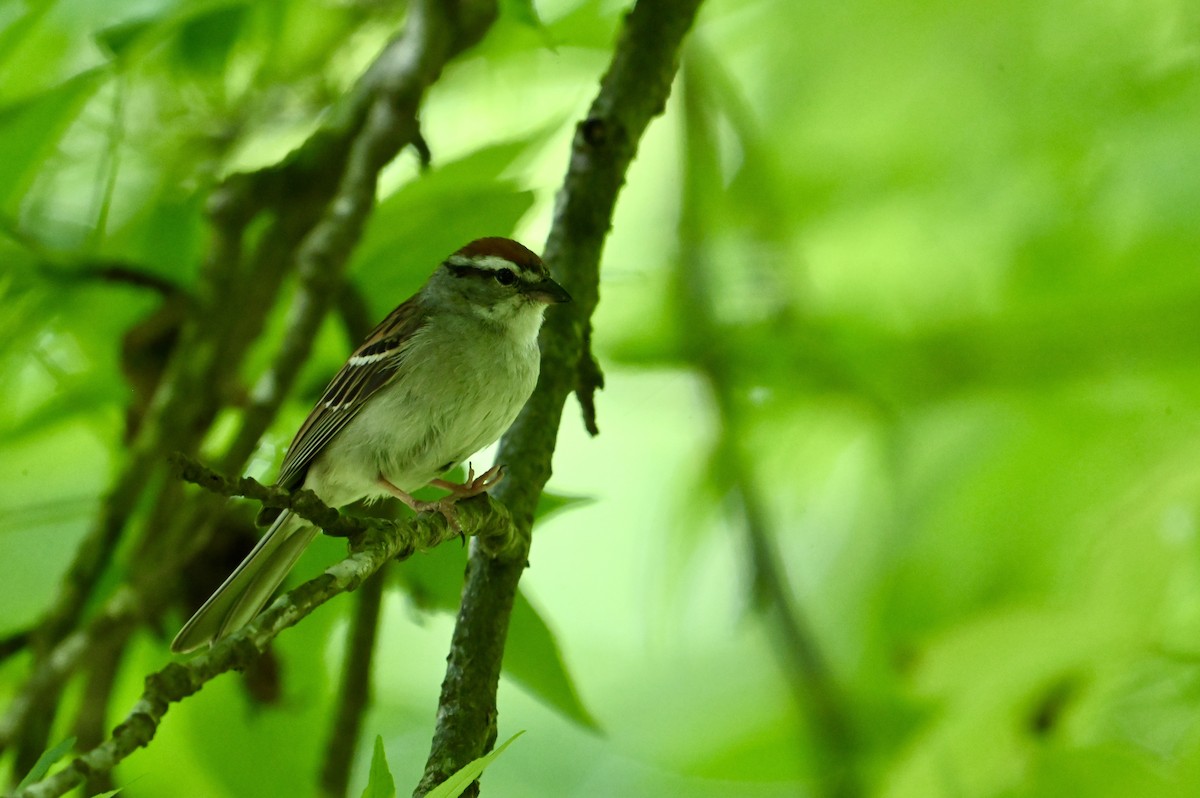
(632, 92)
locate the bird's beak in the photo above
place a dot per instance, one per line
(547, 291)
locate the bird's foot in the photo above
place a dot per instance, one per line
(474, 485)
(446, 505)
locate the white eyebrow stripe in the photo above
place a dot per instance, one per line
(491, 263)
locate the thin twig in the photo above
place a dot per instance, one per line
(633, 91)
(303, 503)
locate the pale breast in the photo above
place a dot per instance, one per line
(446, 403)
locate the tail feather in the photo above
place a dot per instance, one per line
(250, 586)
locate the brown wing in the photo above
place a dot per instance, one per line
(374, 364)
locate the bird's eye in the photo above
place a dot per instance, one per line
(505, 276)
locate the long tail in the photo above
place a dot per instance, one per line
(250, 586)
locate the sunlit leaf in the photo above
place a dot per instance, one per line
(454, 786)
(380, 783)
(46, 761)
(18, 27)
(524, 12)
(30, 130)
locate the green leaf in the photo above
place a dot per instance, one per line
(30, 131)
(108, 794)
(532, 657)
(206, 40)
(454, 786)
(524, 12)
(380, 783)
(551, 503)
(16, 31)
(439, 211)
(533, 660)
(118, 39)
(42, 766)
(434, 580)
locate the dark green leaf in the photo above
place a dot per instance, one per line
(205, 40)
(118, 39)
(551, 503)
(434, 579)
(533, 660)
(414, 229)
(522, 11)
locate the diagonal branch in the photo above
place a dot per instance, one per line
(632, 92)
(378, 543)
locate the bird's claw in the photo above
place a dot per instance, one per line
(473, 486)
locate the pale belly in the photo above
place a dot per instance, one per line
(433, 416)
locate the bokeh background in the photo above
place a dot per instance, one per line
(901, 304)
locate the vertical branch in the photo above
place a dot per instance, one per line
(632, 92)
(814, 689)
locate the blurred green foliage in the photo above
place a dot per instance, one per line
(954, 255)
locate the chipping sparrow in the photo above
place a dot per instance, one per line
(441, 377)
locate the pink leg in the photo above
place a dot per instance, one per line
(473, 487)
